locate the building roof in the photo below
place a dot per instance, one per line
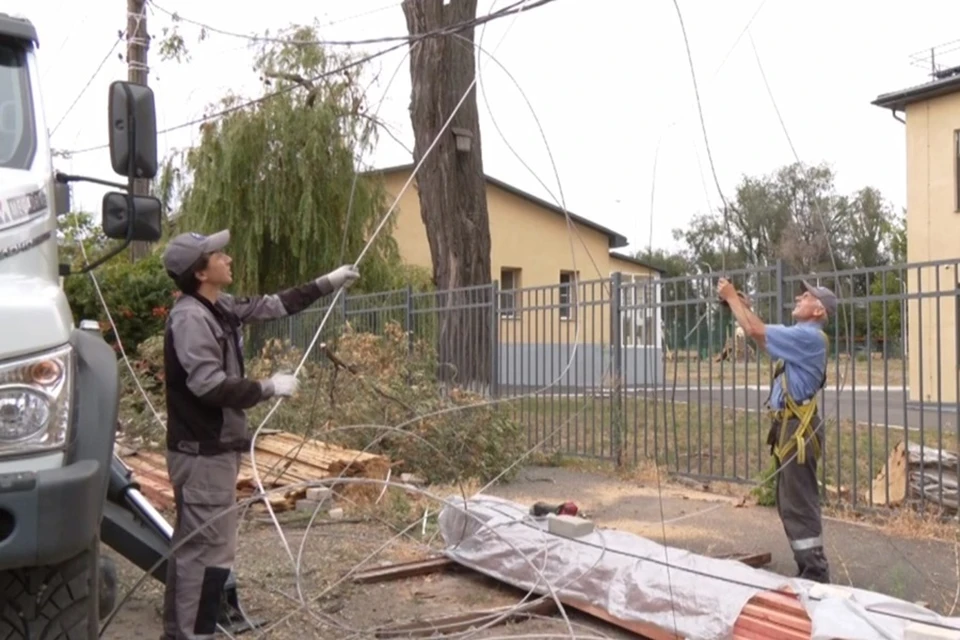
(616, 240)
(632, 260)
(898, 100)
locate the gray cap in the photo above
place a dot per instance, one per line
(185, 249)
(825, 296)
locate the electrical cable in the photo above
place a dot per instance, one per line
(89, 81)
(287, 488)
(359, 259)
(403, 39)
(345, 67)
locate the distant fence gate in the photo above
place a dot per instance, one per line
(635, 368)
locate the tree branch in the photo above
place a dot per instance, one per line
(338, 363)
(296, 78)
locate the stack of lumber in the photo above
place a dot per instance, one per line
(283, 459)
(934, 479)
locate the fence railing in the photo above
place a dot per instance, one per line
(633, 369)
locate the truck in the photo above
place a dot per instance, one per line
(63, 491)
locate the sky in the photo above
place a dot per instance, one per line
(608, 81)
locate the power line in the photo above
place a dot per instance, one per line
(516, 7)
(244, 36)
(509, 9)
(96, 72)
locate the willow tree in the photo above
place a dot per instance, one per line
(280, 172)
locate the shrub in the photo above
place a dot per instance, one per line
(370, 382)
(138, 294)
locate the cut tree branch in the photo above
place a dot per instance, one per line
(338, 364)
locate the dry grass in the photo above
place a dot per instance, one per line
(689, 369)
(709, 442)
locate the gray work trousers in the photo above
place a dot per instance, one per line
(203, 488)
(798, 502)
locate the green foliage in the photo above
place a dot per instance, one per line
(281, 175)
(795, 214)
(442, 438)
(138, 295)
(765, 491)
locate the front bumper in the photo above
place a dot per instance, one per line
(49, 516)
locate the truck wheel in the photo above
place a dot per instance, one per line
(54, 602)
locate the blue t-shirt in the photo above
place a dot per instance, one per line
(804, 354)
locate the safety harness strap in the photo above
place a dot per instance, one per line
(803, 412)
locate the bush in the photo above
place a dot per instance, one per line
(138, 294)
(370, 382)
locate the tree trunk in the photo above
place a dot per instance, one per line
(452, 187)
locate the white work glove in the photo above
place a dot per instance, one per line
(283, 384)
(343, 276)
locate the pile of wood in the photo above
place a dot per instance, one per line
(909, 479)
(283, 459)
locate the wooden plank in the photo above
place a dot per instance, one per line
(466, 621)
(404, 570)
(324, 448)
(754, 560)
(643, 629)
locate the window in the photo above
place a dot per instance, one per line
(638, 311)
(18, 139)
(568, 294)
(956, 168)
(509, 294)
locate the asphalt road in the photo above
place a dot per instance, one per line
(865, 406)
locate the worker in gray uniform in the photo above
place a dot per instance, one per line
(796, 435)
(206, 395)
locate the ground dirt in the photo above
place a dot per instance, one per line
(863, 556)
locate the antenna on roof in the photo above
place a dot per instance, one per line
(927, 59)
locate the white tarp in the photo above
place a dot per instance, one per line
(636, 579)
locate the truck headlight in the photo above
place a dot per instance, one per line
(35, 402)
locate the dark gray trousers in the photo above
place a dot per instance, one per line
(203, 487)
(798, 502)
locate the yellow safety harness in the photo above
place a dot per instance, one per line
(802, 411)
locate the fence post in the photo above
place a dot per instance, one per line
(495, 339)
(781, 315)
(617, 424)
(408, 319)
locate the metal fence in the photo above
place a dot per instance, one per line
(636, 368)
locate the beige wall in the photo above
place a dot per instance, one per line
(933, 229)
(537, 242)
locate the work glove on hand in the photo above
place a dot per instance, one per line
(343, 276)
(282, 384)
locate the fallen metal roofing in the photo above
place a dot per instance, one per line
(663, 592)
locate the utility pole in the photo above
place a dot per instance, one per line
(138, 43)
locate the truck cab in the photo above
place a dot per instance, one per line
(59, 384)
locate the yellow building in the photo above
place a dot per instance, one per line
(931, 113)
(535, 255)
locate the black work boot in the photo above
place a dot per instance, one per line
(812, 565)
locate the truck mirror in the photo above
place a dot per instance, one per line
(146, 219)
(61, 198)
(133, 130)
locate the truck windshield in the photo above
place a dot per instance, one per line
(18, 137)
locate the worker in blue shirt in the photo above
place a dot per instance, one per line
(796, 435)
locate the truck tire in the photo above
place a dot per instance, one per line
(59, 602)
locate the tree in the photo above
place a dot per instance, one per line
(279, 172)
(451, 183)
